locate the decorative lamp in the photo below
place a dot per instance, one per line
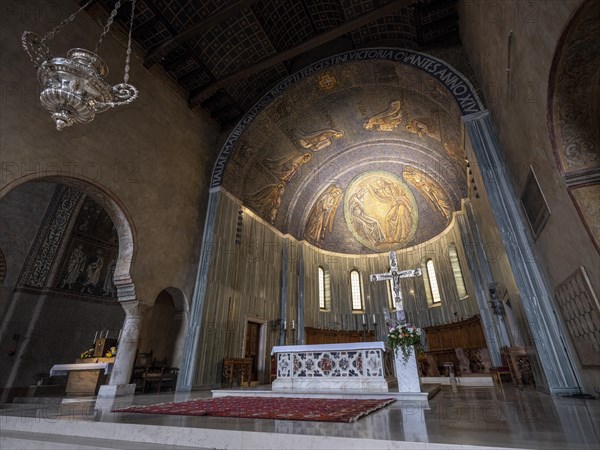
(74, 88)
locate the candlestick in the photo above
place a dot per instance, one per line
(95, 336)
(285, 325)
(363, 317)
(293, 325)
(374, 320)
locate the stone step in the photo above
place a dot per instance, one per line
(38, 400)
(11, 440)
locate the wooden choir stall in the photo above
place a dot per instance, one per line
(458, 345)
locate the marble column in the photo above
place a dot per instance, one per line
(300, 305)
(473, 252)
(558, 376)
(189, 358)
(127, 351)
(284, 287)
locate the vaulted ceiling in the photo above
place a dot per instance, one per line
(223, 54)
(364, 157)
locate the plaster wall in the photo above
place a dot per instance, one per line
(21, 213)
(519, 113)
(150, 156)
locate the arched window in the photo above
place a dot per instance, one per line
(355, 284)
(324, 289)
(457, 272)
(433, 284)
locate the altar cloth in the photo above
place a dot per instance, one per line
(64, 369)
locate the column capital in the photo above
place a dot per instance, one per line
(134, 308)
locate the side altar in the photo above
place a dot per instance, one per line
(85, 376)
(330, 367)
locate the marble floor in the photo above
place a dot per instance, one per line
(456, 417)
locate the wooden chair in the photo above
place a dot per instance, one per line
(142, 362)
(157, 378)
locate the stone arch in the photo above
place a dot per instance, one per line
(574, 112)
(169, 318)
(115, 210)
(456, 83)
(179, 299)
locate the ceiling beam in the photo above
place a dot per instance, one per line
(197, 95)
(155, 54)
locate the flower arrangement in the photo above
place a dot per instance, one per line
(404, 337)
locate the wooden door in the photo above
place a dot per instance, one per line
(252, 340)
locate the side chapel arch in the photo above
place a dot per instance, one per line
(574, 113)
(117, 213)
(122, 276)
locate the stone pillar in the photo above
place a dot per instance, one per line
(473, 249)
(300, 305)
(284, 287)
(189, 358)
(127, 351)
(557, 377)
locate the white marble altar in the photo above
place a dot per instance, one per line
(330, 367)
(407, 372)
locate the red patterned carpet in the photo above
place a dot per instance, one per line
(279, 408)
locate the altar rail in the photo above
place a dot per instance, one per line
(338, 367)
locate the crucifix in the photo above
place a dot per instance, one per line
(395, 275)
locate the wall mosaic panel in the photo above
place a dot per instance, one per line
(45, 247)
(88, 264)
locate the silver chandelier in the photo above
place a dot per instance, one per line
(74, 88)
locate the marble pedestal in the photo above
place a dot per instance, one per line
(116, 390)
(407, 372)
(112, 397)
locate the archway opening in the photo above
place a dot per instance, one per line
(63, 254)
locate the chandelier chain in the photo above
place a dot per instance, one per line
(109, 22)
(128, 57)
(65, 22)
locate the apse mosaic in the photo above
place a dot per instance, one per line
(380, 211)
(365, 157)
